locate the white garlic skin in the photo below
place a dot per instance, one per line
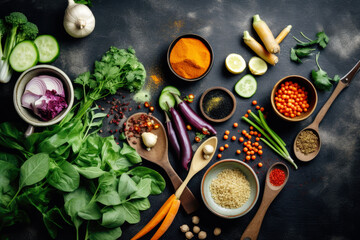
(149, 139)
(79, 21)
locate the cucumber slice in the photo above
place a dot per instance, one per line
(24, 55)
(246, 86)
(48, 48)
(166, 100)
(171, 89)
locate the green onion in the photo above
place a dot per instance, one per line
(272, 139)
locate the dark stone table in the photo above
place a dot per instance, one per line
(320, 200)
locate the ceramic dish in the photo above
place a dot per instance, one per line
(203, 40)
(26, 114)
(229, 101)
(312, 97)
(212, 173)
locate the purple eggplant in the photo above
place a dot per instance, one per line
(183, 137)
(193, 119)
(172, 136)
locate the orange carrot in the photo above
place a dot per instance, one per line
(265, 34)
(259, 49)
(168, 219)
(157, 218)
(283, 34)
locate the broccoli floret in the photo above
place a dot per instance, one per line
(16, 19)
(28, 31)
(3, 31)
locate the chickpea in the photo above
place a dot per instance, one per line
(217, 231)
(196, 229)
(184, 228)
(202, 235)
(195, 220)
(189, 235)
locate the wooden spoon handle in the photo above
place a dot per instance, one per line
(188, 200)
(252, 230)
(321, 114)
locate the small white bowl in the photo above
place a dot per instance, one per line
(212, 173)
(26, 114)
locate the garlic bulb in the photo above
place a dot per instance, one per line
(79, 21)
(149, 139)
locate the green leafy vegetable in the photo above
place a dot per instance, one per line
(321, 79)
(322, 39)
(85, 2)
(296, 54)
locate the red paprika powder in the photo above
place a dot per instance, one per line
(277, 177)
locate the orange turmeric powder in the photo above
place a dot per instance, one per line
(190, 58)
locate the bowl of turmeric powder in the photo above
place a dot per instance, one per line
(190, 57)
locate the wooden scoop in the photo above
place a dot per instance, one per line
(314, 126)
(270, 192)
(159, 155)
(198, 162)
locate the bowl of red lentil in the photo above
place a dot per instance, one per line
(294, 98)
(190, 57)
(230, 188)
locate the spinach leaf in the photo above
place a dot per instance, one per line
(131, 213)
(108, 190)
(91, 212)
(113, 217)
(130, 153)
(97, 232)
(37, 196)
(89, 172)
(143, 189)
(52, 220)
(110, 154)
(141, 204)
(64, 177)
(8, 173)
(34, 169)
(89, 155)
(126, 186)
(157, 181)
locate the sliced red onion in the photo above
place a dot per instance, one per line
(36, 86)
(53, 83)
(28, 99)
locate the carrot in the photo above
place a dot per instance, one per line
(168, 219)
(157, 218)
(283, 34)
(265, 34)
(259, 49)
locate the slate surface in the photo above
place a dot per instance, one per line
(320, 200)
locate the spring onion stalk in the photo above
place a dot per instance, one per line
(273, 141)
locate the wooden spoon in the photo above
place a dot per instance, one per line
(198, 162)
(314, 126)
(159, 155)
(270, 192)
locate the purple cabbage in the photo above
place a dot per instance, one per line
(49, 105)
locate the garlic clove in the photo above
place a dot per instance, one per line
(149, 139)
(79, 21)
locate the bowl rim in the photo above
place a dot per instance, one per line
(312, 88)
(221, 119)
(17, 96)
(256, 194)
(203, 40)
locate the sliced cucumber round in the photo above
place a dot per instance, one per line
(24, 56)
(171, 89)
(166, 100)
(48, 48)
(246, 86)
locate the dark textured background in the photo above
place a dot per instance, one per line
(320, 200)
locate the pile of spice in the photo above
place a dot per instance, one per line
(277, 177)
(217, 104)
(135, 127)
(307, 142)
(230, 189)
(190, 58)
(291, 99)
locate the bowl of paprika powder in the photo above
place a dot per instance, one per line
(190, 57)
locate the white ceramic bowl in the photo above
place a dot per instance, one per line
(212, 173)
(26, 114)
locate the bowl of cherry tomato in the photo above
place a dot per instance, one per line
(294, 98)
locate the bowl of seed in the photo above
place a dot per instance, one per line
(230, 188)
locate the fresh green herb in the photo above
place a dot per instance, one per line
(272, 139)
(85, 2)
(321, 79)
(101, 186)
(322, 39)
(298, 53)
